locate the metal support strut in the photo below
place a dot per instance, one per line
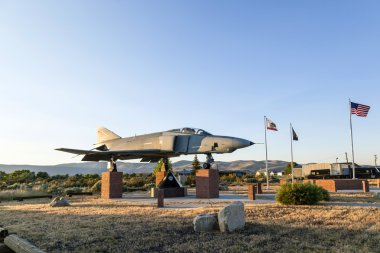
(165, 161)
(209, 161)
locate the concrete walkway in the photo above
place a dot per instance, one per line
(225, 197)
(191, 201)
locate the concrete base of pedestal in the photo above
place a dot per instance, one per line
(207, 183)
(112, 185)
(169, 192)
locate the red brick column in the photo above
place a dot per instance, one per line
(159, 177)
(327, 184)
(251, 192)
(207, 183)
(112, 185)
(365, 186)
(160, 197)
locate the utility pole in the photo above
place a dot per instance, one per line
(266, 151)
(352, 143)
(346, 158)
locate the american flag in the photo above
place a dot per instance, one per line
(359, 109)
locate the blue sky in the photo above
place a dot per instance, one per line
(143, 66)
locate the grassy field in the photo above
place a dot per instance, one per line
(96, 225)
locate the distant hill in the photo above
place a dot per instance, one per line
(99, 167)
(249, 166)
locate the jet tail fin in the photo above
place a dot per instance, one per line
(103, 134)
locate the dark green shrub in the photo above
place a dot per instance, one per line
(73, 190)
(324, 193)
(301, 194)
(274, 180)
(55, 190)
(133, 189)
(190, 180)
(135, 182)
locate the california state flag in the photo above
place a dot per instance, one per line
(271, 125)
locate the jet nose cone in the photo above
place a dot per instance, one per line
(241, 143)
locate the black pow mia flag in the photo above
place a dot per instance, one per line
(295, 136)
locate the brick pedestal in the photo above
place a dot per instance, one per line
(251, 192)
(160, 198)
(333, 185)
(159, 176)
(365, 184)
(169, 192)
(207, 183)
(112, 185)
(259, 190)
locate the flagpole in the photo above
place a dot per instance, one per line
(266, 151)
(291, 150)
(352, 142)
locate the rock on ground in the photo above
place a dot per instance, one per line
(59, 202)
(204, 223)
(232, 217)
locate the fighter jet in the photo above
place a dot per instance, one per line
(155, 146)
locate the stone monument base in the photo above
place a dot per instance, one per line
(207, 183)
(112, 185)
(169, 192)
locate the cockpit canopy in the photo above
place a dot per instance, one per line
(189, 130)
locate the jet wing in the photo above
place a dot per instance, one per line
(93, 155)
(74, 151)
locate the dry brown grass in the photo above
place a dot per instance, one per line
(95, 225)
(356, 197)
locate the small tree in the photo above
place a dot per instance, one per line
(42, 175)
(3, 175)
(159, 165)
(288, 168)
(21, 176)
(196, 165)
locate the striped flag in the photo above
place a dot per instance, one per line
(271, 125)
(359, 109)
